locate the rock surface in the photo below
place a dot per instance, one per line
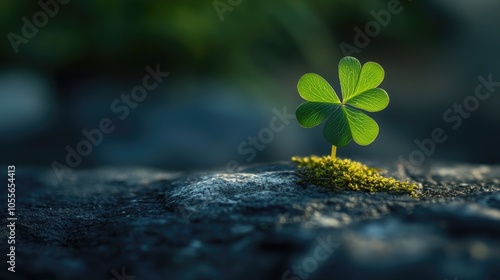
(255, 224)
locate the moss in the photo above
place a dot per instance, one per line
(347, 175)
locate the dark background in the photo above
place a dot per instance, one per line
(227, 76)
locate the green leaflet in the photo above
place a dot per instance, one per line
(364, 129)
(311, 114)
(349, 70)
(312, 87)
(372, 100)
(337, 129)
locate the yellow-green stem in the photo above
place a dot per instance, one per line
(334, 151)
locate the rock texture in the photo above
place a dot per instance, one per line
(255, 224)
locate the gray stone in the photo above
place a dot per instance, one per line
(255, 224)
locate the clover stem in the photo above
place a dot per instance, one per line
(334, 151)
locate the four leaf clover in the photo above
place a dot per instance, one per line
(345, 120)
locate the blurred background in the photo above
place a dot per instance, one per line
(231, 63)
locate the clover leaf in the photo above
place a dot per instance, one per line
(345, 120)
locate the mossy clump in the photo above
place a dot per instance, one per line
(347, 175)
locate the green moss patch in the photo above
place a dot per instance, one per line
(347, 175)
